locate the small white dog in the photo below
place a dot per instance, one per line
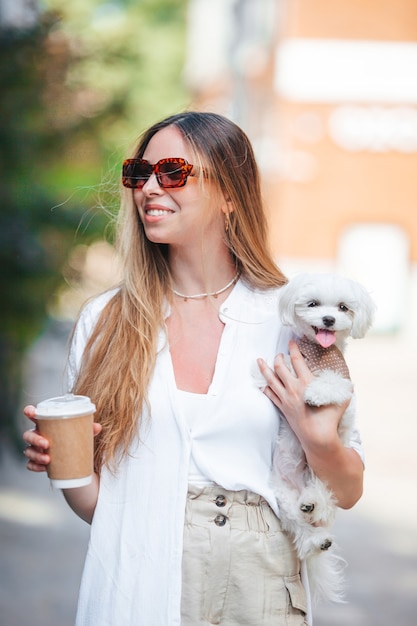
(323, 310)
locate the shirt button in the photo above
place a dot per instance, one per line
(220, 500)
(220, 520)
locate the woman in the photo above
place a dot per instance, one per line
(185, 527)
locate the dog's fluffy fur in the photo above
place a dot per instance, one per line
(323, 310)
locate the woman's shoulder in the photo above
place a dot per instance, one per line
(251, 303)
(267, 298)
(95, 305)
(82, 330)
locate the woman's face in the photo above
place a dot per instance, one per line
(176, 216)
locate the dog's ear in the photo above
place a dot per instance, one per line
(286, 304)
(364, 312)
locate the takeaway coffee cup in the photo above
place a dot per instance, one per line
(67, 423)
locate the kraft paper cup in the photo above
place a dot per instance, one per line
(67, 423)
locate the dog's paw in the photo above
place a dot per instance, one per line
(307, 508)
(312, 541)
(325, 545)
(328, 387)
(316, 504)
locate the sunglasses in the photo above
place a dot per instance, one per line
(170, 173)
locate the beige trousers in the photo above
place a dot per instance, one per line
(239, 567)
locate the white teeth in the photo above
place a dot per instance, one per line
(156, 212)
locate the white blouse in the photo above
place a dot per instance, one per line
(132, 574)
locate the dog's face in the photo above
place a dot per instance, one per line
(326, 308)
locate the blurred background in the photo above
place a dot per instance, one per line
(327, 92)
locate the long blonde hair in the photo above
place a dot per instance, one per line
(119, 358)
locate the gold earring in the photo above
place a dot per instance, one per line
(226, 222)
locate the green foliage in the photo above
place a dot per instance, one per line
(76, 91)
(31, 240)
(128, 69)
(32, 244)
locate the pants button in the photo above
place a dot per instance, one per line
(220, 500)
(220, 520)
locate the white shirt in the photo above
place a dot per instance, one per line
(132, 574)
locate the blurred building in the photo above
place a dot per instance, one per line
(327, 91)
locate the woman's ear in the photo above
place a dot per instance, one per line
(227, 207)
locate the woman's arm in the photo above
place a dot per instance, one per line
(82, 500)
(316, 427)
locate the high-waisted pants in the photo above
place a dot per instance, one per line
(239, 567)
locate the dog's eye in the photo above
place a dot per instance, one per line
(312, 303)
(343, 307)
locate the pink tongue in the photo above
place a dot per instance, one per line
(325, 338)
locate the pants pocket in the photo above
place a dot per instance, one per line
(296, 593)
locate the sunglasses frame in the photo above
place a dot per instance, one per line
(184, 167)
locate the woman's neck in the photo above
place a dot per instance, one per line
(193, 276)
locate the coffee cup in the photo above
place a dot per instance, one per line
(67, 423)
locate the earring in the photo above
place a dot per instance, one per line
(226, 222)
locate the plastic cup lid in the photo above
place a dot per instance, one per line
(65, 406)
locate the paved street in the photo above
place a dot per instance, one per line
(42, 544)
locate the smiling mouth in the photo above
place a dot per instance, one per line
(157, 212)
(325, 337)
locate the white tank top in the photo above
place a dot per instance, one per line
(195, 408)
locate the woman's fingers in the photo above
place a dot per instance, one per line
(33, 466)
(269, 374)
(301, 369)
(35, 440)
(287, 381)
(37, 446)
(280, 377)
(30, 412)
(274, 388)
(36, 451)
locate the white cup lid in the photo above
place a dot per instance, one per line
(65, 406)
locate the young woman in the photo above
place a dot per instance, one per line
(185, 527)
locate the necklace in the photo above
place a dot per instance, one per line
(214, 294)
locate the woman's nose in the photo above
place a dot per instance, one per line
(151, 186)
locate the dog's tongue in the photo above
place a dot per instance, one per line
(325, 338)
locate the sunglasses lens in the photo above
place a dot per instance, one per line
(135, 173)
(169, 172)
(172, 174)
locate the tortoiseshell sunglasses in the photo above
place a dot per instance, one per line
(170, 173)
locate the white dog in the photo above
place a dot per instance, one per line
(323, 310)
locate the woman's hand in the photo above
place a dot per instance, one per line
(82, 500)
(37, 445)
(315, 427)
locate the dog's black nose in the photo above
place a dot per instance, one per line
(328, 320)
